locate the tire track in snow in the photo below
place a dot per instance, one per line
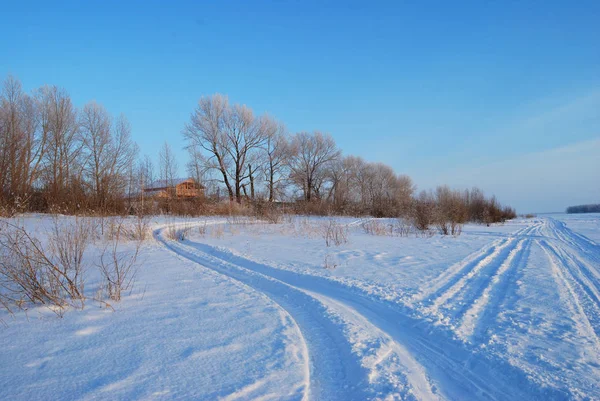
(490, 294)
(574, 295)
(452, 368)
(333, 373)
(451, 276)
(462, 294)
(466, 279)
(580, 243)
(415, 374)
(573, 257)
(488, 316)
(576, 292)
(456, 308)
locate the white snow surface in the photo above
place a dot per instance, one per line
(245, 310)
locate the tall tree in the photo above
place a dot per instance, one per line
(62, 163)
(108, 153)
(167, 165)
(277, 151)
(95, 127)
(311, 155)
(21, 142)
(229, 135)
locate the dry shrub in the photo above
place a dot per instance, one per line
(202, 229)
(185, 207)
(334, 233)
(308, 229)
(312, 208)
(330, 262)
(238, 220)
(118, 268)
(52, 276)
(403, 228)
(377, 227)
(303, 227)
(428, 233)
(68, 242)
(228, 208)
(268, 212)
(171, 230)
(177, 232)
(217, 231)
(234, 229)
(139, 229)
(398, 228)
(423, 211)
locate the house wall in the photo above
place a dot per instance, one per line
(187, 189)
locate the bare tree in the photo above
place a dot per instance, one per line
(229, 135)
(405, 189)
(108, 152)
(21, 142)
(277, 153)
(95, 126)
(204, 133)
(146, 172)
(311, 155)
(123, 152)
(64, 147)
(167, 165)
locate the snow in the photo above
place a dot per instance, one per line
(241, 309)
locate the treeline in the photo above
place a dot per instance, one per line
(256, 158)
(55, 156)
(593, 208)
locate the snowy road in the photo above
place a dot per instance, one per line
(517, 319)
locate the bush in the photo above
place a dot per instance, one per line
(68, 241)
(118, 268)
(268, 211)
(423, 212)
(32, 274)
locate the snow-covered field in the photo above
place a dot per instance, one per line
(249, 310)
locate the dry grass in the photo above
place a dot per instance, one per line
(377, 227)
(334, 233)
(217, 231)
(202, 229)
(329, 263)
(178, 232)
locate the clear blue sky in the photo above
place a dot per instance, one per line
(462, 93)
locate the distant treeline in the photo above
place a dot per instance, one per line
(593, 208)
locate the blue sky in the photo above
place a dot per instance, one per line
(463, 93)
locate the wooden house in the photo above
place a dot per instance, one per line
(185, 188)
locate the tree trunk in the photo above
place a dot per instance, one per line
(251, 182)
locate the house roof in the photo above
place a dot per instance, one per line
(158, 184)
